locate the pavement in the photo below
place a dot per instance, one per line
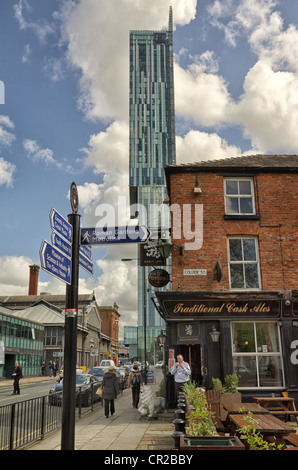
(125, 430)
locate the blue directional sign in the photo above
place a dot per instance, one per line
(86, 251)
(110, 235)
(61, 244)
(55, 262)
(86, 264)
(61, 225)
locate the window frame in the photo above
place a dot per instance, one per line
(259, 354)
(238, 195)
(244, 262)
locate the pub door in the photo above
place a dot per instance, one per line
(192, 354)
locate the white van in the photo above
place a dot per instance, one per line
(107, 363)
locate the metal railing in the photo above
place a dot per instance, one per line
(26, 421)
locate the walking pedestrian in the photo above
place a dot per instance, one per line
(51, 368)
(43, 367)
(110, 384)
(17, 375)
(181, 372)
(135, 380)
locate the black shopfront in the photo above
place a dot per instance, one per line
(256, 337)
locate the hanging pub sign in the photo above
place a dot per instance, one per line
(150, 256)
(158, 278)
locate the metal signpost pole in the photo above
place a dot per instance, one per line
(70, 348)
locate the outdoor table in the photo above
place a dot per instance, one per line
(271, 428)
(235, 408)
(278, 405)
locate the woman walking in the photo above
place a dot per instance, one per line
(110, 385)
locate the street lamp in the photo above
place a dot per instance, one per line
(165, 248)
(144, 318)
(214, 334)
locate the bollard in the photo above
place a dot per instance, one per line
(179, 425)
(180, 414)
(176, 435)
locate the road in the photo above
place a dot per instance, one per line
(27, 392)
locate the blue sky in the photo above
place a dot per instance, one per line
(64, 65)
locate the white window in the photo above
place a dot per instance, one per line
(256, 353)
(239, 196)
(244, 266)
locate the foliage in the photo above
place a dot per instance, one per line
(199, 417)
(230, 385)
(253, 438)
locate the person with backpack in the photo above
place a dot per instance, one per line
(135, 381)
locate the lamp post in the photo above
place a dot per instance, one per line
(144, 317)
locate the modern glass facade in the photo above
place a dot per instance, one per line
(151, 148)
(23, 342)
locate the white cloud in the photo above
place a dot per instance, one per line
(198, 146)
(6, 136)
(41, 28)
(201, 97)
(98, 45)
(7, 170)
(268, 109)
(14, 275)
(38, 154)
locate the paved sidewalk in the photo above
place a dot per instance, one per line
(123, 431)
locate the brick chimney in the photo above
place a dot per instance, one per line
(33, 279)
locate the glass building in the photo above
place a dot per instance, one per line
(21, 341)
(151, 148)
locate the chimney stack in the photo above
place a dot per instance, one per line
(33, 279)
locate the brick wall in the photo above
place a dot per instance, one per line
(276, 199)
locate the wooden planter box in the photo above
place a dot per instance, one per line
(211, 443)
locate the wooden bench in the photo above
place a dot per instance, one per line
(292, 439)
(213, 400)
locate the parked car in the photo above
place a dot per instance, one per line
(78, 371)
(107, 363)
(122, 375)
(98, 372)
(159, 365)
(86, 386)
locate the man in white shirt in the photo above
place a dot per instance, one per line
(181, 372)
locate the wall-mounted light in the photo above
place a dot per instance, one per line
(214, 334)
(197, 190)
(165, 248)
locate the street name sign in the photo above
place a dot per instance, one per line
(60, 225)
(55, 262)
(114, 235)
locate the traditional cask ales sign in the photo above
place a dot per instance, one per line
(221, 308)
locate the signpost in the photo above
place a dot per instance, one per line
(62, 259)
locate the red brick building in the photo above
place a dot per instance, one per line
(238, 272)
(110, 327)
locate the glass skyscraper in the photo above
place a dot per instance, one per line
(151, 148)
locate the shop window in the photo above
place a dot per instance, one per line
(244, 263)
(239, 196)
(257, 354)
